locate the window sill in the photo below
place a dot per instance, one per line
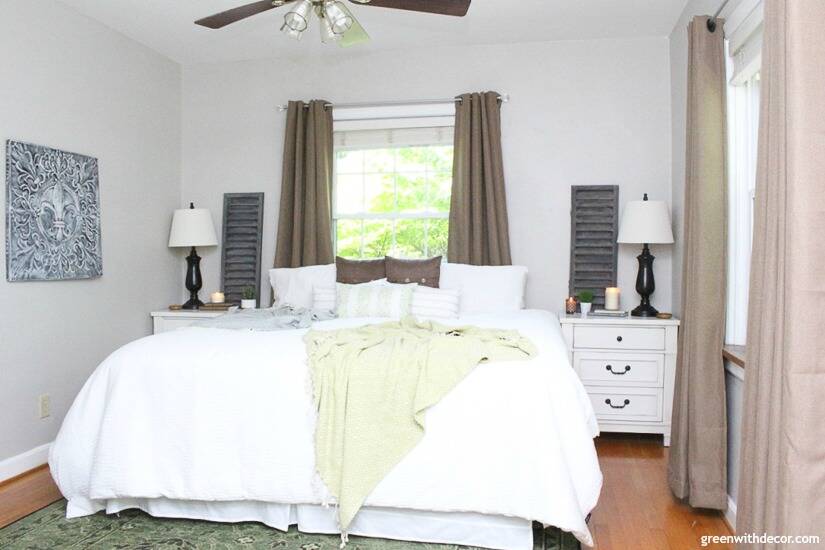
(734, 354)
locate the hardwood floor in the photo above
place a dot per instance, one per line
(636, 510)
(26, 493)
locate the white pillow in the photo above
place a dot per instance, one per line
(293, 286)
(486, 289)
(373, 300)
(435, 302)
(323, 298)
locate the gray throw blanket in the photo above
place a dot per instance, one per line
(278, 318)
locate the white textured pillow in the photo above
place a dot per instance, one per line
(486, 289)
(293, 286)
(373, 300)
(323, 298)
(435, 302)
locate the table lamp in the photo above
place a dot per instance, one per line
(192, 227)
(645, 222)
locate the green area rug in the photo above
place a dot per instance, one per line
(48, 529)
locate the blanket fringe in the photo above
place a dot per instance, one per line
(344, 539)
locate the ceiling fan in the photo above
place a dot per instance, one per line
(337, 23)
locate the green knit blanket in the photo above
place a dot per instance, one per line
(372, 386)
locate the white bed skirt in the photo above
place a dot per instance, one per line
(469, 529)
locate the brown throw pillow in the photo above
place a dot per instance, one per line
(355, 272)
(423, 272)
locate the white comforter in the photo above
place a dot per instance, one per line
(220, 415)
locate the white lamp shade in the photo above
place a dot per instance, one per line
(192, 227)
(646, 222)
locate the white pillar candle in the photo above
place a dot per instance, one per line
(218, 297)
(611, 298)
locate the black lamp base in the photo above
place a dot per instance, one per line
(194, 281)
(192, 303)
(644, 310)
(645, 284)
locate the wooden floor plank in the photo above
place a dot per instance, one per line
(636, 509)
(27, 493)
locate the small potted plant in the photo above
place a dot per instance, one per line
(248, 301)
(585, 301)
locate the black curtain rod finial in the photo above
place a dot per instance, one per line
(712, 24)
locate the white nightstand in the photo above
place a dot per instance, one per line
(628, 367)
(167, 320)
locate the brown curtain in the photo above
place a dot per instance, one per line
(782, 480)
(305, 220)
(697, 470)
(479, 232)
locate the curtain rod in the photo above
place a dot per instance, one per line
(712, 20)
(504, 98)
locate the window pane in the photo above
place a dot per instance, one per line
(377, 238)
(378, 160)
(441, 188)
(412, 159)
(437, 233)
(412, 192)
(441, 158)
(379, 192)
(410, 239)
(349, 194)
(349, 162)
(348, 238)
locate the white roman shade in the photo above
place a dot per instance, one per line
(744, 28)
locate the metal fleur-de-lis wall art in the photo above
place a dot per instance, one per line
(52, 215)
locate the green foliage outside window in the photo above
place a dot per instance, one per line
(393, 201)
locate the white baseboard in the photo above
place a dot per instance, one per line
(24, 462)
(730, 514)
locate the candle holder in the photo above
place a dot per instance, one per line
(570, 305)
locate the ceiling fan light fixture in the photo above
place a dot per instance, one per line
(291, 33)
(328, 34)
(297, 19)
(339, 20)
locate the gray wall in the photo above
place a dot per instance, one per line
(582, 112)
(735, 386)
(71, 83)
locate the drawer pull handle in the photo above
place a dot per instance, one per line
(622, 373)
(618, 338)
(612, 406)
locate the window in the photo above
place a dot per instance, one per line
(391, 192)
(744, 47)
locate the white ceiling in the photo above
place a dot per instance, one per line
(167, 26)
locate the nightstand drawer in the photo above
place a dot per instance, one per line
(627, 404)
(620, 369)
(618, 337)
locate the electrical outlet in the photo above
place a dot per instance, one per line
(45, 406)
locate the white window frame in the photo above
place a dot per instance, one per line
(744, 31)
(389, 118)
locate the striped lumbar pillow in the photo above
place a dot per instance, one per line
(435, 302)
(374, 300)
(323, 298)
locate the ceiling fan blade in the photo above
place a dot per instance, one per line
(356, 33)
(220, 20)
(457, 8)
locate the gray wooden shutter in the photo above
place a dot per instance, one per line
(243, 216)
(594, 219)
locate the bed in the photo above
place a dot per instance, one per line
(217, 424)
